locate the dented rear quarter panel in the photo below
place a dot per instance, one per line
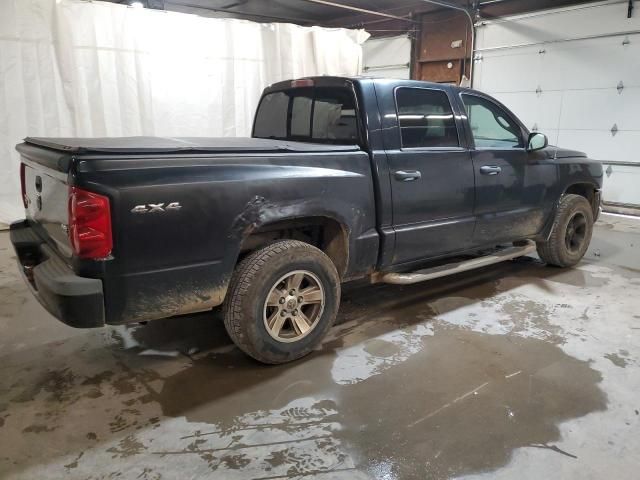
(174, 262)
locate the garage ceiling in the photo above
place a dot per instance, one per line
(305, 12)
(343, 12)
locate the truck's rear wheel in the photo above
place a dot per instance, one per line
(281, 301)
(570, 234)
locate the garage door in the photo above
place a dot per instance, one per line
(573, 74)
(387, 57)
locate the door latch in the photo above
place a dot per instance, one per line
(407, 176)
(490, 170)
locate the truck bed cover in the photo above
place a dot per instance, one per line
(152, 145)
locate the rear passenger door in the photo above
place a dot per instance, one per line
(431, 174)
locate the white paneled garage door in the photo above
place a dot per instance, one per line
(573, 74)
(387, 57)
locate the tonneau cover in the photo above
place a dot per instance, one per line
(182, 144)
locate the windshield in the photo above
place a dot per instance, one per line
(310, 114)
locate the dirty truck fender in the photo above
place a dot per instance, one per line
(181, 261)
(579, 175)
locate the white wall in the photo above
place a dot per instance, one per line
(71, 68)
(568, 88)
(387, 57)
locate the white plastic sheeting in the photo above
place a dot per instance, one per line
(71, 68)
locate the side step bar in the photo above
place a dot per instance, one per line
(508, 253)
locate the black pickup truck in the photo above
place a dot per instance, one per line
(396, 181)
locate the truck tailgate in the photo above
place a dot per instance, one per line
(46, 197)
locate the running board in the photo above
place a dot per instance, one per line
(508, 253)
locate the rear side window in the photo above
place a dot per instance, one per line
(490, 125)
(426, 118)
(310, 114)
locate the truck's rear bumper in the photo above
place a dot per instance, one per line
(76, 301)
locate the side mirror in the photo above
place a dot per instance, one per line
(537, 141)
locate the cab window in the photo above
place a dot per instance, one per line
(308, 114)
(426, 119)
(490, 125)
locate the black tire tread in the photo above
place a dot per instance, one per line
(247, 272)
(550, 251)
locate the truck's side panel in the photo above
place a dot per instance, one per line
(222, 199)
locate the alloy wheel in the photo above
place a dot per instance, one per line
(293, 306)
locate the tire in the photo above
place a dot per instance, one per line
(258, 287)
(570, 234)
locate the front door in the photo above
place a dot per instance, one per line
(432, 178)
(511, 191)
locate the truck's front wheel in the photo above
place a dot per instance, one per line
(282, 299)
(570, 234)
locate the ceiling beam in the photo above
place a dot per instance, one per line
(411, 10)
(360, 10)
(241, 14)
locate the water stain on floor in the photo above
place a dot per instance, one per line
(436, 399)
(477, 399)
(619, 359)
(480, 397)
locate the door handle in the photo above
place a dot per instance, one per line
(490, 170)
(407, 176)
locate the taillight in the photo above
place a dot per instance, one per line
(89, 224)
(23, 187)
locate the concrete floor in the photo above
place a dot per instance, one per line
(515, 371)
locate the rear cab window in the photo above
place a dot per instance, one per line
(426, 118)
(316, 114)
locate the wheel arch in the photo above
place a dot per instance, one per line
(588, 190)
(322, 231)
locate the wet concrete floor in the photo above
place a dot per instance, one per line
(514, 371)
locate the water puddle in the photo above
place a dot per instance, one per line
(408, 385)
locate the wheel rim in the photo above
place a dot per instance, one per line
(576, 232)
(293, 306)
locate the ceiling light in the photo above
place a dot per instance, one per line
(137, 5)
